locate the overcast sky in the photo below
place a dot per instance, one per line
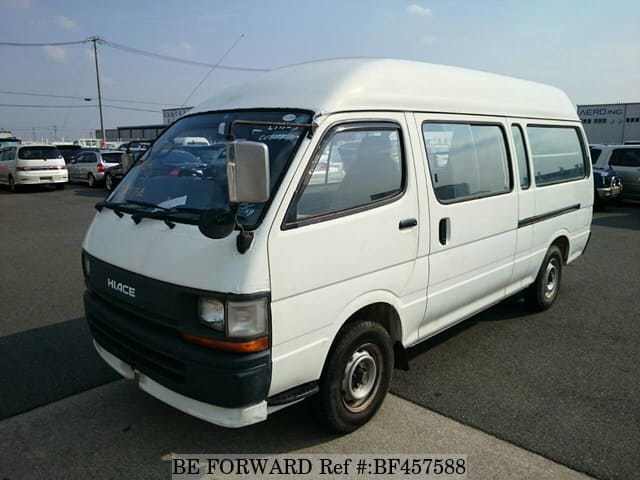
(589, 48)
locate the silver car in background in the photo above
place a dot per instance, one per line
(89, 166)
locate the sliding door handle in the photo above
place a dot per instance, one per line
(443, 230)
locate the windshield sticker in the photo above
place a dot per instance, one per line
(173, 202)
(289, 117)
(292, 136)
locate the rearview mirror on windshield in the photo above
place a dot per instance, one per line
(248, 172)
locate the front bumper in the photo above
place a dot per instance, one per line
(226, 417)
(606, 193)
(201, 381)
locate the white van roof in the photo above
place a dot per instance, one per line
(353, 84)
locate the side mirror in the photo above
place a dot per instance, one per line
(248, 172)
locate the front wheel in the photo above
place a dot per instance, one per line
(60, 186)
(544, 291)
(356, 377)
(13, 188)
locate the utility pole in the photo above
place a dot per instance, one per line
(33, 134)
(55, 133)
(95, 40)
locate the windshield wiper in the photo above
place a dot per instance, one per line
(144, 204)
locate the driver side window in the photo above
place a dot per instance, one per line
(356, 167)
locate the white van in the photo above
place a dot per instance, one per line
(32, 165)
(233, 292)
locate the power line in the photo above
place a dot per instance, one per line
(137, 51)
(212, 69)
(44, 106)
(49, 44)
(117, 107)
(146, 53)
(86, 99)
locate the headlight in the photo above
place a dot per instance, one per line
(247, 319)
(212, 313)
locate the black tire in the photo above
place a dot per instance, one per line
(544, 291)
(356, 376)
(91, 180)
(61, 186)
(13, 188)
(108, 182)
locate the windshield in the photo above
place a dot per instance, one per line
(186, 166)
(37, 153)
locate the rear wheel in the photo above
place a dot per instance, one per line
(108, 182)
(356, 376)
(91, 180)
(544, 291)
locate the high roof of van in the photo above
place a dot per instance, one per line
(356, 84)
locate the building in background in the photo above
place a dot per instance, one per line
(612, 123)
(170, 115)
(137, 132)
(143, 132)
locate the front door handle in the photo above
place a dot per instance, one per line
(407, 223)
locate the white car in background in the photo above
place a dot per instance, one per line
(32, 165)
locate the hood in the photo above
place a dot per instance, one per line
(181, 256)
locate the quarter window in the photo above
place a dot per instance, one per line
(595, 154)
(557, 154)
(521, 156)
(354, 167)
(466, 161)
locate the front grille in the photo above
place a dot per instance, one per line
(141, 357)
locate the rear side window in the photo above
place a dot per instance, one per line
(34, 153)
(355, 167)
(556, 153)
(595, 154)
(466, 161)
(625, 157)
(111, 157)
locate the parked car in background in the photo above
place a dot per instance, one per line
(69, 151)
(113, 175)
(32, 165)
(9, 142)
(625, 160)
(137, 147)
(607, 185)
(132, 152)
(90, 166)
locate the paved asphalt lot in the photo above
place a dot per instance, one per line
(564, 384)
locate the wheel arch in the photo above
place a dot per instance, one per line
(381, 307)
(561, 240)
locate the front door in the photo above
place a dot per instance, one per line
(473, 212)
(349, 236)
